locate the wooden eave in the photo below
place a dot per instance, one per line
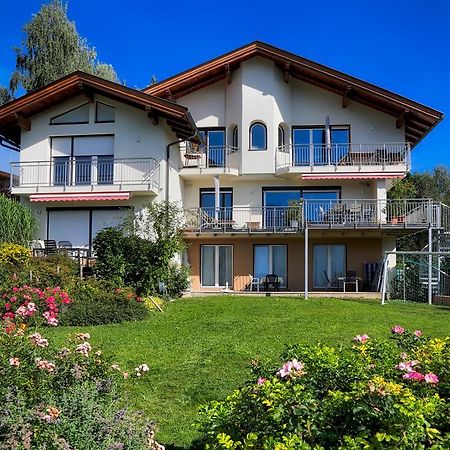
(15, 114)
(417, 122)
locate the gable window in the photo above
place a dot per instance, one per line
(216, 263)
(104, 113)
(77, 115)
(311, 145)
(258, 136)
(281, 136)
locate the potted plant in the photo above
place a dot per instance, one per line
(294, 213)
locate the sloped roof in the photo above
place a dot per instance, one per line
(17, 112)
(418, 119)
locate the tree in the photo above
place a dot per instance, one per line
(52, 48)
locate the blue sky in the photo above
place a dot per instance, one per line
(401, 45)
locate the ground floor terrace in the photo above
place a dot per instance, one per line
(244, 263)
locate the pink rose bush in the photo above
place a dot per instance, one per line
(377, 393)
(30, 305)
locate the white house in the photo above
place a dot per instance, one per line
(277, 161)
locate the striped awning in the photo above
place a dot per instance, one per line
(352, 176)
(81, 197)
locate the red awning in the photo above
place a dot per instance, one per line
(351, 176)
(80, 197)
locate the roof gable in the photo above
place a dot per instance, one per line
(15, 115)
(418, 119)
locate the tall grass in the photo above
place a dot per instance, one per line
(18, 224)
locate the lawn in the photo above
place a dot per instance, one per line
(199, 349)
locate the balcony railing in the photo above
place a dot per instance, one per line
(312, 155)
(210, 157)
(316, 213)
(83, 171)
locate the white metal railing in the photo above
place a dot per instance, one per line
(298, 155)
(316, 213)
(85, 171)
(210, 157)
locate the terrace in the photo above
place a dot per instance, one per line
(326, 214)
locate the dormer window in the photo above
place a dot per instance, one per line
(258, 136)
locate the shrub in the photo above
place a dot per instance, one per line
(32, 306)
(144, 256)
(64, 398)
(98, 302)
(13, 254)
(390, 393)
(18, 224)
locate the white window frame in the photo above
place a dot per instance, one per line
(271, 246)
(216, 265)
(329, 246)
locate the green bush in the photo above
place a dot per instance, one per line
(128, 259)
(96, 302)
(13, 254)
(376, 395)
(64, 398)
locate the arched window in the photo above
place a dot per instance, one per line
(281, 136)
(258, 136)
(235, 139)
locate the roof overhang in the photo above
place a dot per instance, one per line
(353, 176)
(16, 114)
(81, 197)
(417, 119)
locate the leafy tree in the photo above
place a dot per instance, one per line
(51, 49)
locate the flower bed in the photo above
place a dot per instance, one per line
(389, 393)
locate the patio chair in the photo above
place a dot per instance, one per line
(330, 284)
(271, 280)
(65, 244)
(254, 282)
(50, 247)
(351, 278)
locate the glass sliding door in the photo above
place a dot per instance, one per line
(207, 205)
(340, 139)
(268, 259)
(319, 204)
(329, 263)
(216, 263)
(276, 208)
(215, 146)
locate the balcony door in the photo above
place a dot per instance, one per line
(329, 264)
(207, 205)
(214, 139)
(310, 145)
(277, 204)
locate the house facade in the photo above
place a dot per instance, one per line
(282, 165)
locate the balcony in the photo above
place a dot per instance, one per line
(85, 174)
(321, 214)
(212, 160)
(343, 158)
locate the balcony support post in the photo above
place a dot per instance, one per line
(216, 199)
(430, 265)
(306, 261)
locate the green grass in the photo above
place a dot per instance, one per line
(199, 349)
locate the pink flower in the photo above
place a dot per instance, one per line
(45, 365)
(261, 380)
(403, 355)
(431, 378)
(14, 362)
(413, 375)
(361, 338)
(38, 340)
(407, 366)
(398, 329)
(417, 333)
(84, 349)
(290, 369)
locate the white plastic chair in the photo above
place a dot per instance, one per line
(254, 281)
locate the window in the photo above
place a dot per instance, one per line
(268, 259)
(105, 169)
(329, 263)
(207, 204)
(216, 263)
(276, 204)
(281, 136)
(83, 166)
(318, 203)
(61, 170)
(258, 136)
(310, 145)
(235, 137)
(80, 114)
(104, 113)
(214, 139)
